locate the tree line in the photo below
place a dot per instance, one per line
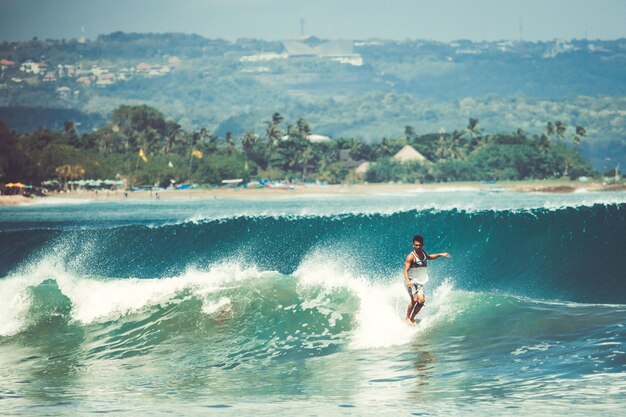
(141, 145)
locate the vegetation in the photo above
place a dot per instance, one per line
(140, 145)
(425, 84)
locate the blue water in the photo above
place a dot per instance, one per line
(284, 306)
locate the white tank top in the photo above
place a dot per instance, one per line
(418, 273)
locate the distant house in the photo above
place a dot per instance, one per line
(143, 67)
(310, 46)
(104, 83)
(49, 77)
(409, 154)
(347, 161)
(313, 138)
(63, 91)
(6, 63)
(318, 138)
(84, 80)
(30, 67)
(362, 169)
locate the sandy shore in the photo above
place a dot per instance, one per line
(552, 186)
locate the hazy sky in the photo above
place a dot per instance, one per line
(443, 20)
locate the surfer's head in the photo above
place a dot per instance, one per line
(419, 240)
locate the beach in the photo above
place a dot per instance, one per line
(300, 190)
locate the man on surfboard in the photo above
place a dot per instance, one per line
(416, 275)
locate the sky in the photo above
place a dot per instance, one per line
(441, 20)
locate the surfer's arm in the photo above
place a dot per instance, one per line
(438, 255)
(407, 266)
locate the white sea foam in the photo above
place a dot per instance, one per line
(15, 296)
(14, 303)
(57, 201)
(462, 200)
(380, 319)
(100, 300)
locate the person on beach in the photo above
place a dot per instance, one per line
(416, 275)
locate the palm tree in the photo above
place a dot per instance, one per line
(543, 143)
(560, 128)
(449, 146)
(474, 132)
(173, 130)
(230, 142)
(71, 172)
(409, 133)
(385, 148)
(277, 118)
(581, 132)
(301, 130)
(273, 133)
(305, 159)
(248, 141)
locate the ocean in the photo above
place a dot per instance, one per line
(296, 306)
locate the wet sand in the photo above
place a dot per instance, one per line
(299, 190)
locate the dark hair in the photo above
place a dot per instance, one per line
(418, 238)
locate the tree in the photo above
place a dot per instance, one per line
(581, 132)
(248, 141)
(273, 133)
(301, 130)
(71, 172)
(560, 128)
(475, 133)
(230, 142)
(450, 146)
(173, 131)
(409, 133)
(384, 149)
(70, 132)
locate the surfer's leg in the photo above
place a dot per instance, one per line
(409, 309)
(418, 303)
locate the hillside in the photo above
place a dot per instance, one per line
(365, 89)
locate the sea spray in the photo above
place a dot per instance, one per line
(301, 304)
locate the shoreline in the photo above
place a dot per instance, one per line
(300, 190)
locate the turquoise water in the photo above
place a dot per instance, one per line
(277, 307)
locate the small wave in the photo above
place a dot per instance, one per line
(53, 201)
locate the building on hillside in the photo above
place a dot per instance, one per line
(312, 138)
(84, 80)
(143, 67)
(30, 67)
(409, 154)
(104, 83)
(49, 77)
(270, 56)
(361, 170)
(339, 50)
(63, 92)
(347, 161)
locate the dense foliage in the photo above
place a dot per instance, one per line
(425, 84)
(139, 143)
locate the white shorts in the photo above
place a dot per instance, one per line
(415, 289)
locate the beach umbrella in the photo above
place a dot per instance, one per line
(15, 184)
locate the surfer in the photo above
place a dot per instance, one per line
(416, 275)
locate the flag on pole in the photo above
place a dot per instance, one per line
(197, 154)
(142, 155)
